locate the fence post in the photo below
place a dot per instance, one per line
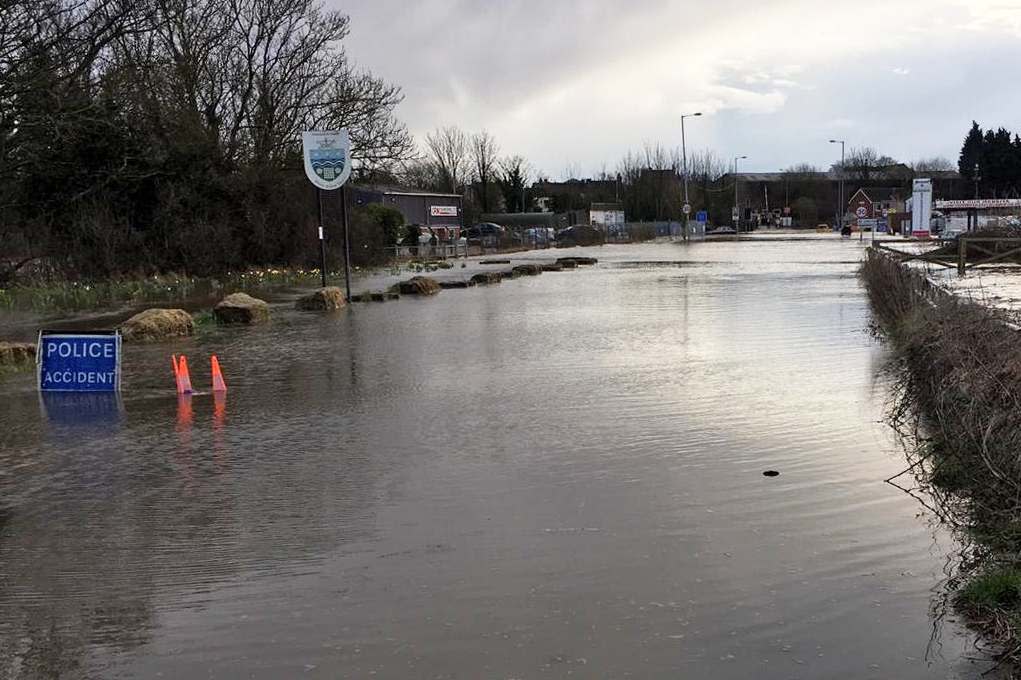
(962, 252)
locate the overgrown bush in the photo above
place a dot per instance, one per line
(963, 382)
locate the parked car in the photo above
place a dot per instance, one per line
(580, 235)
(485, 229)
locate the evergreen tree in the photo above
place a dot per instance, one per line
(971, 152)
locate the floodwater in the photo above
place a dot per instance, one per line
(557, 476)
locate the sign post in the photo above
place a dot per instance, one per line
(79, 362)
(327, 157)
(921, 207)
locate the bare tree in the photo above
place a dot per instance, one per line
(484, 152)
(448, 150)
(801, 171)
(172, 115)
(863, 163)
(933, 164)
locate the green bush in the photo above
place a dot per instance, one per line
(389, 219)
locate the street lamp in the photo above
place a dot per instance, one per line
(840, 199)
(684, 157)
(737, 211)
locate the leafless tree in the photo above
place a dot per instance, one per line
(484, 153)
(933, 164)
(863, 163)
(157, 116)
(448, 150)
(421, 173)
(801, 171)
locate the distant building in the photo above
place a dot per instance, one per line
(418, 206)
(760, 194)
(607, 216)
(574, 194)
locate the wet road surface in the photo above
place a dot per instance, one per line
(557, 476)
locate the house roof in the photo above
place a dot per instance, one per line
(397, 190)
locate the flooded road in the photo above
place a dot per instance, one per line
(556, 476)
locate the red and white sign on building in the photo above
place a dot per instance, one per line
(443, 211)
(861, 205)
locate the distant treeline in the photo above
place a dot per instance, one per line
(157, 135)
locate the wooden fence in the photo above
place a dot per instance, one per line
(960, 258)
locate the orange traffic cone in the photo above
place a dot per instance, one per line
(218, 384)
(181, 375)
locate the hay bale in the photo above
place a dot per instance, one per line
(567, 263)
(17, 354)
(241, 308)
(486, 278)
(552, 267)
(419, 285)
(155, 325)
(457, 283)
(528, 269)
(322, 300)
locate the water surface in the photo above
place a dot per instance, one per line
(556, 476)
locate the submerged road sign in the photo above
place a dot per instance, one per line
(79, 362)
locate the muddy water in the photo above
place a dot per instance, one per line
(560, 475)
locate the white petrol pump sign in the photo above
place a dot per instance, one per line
(327, 158)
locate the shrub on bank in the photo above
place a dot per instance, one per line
(963, 379)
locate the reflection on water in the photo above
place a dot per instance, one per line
(561, 474)
(85, 410)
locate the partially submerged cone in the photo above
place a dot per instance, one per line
(241, 308)
(181, 377)
(218, 384)
(154, 325)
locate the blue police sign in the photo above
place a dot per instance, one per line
(79, 362)
(701, 216)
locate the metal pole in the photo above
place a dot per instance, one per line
(322, 237)
(684, 157)
(347, 242)
(737, 210)
(841, 184)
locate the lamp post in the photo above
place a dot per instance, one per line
(974, 211)
(737, 211)
(840, 199)
(684, 160)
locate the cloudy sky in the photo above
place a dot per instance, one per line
(574, 84)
